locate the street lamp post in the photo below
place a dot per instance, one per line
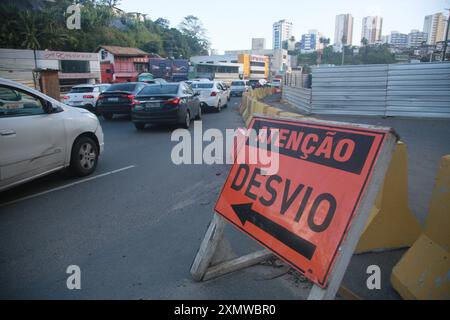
(446, 36)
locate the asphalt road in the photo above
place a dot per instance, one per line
(134, 233)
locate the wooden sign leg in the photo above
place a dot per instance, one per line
(205, 254)
(201, 268)
(237, 264)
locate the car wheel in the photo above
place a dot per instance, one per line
(139, 126)
(107, 116)
(90, 108)
(187, 120)
(84, 157)
(219, 106)
(199, 115)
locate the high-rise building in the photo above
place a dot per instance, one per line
(417, 38)
(343, 29)
(282, 31)
(371, 29)
(258, 44)
(311, 41)
(398, 40)
(434, 26)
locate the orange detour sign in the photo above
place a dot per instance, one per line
(304, 211)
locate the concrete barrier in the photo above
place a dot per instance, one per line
(391, 224)
(251, 104)
(424, 271)
(290, 114)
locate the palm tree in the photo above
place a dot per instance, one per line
(365, 43)
(29, 32)
(324, 43)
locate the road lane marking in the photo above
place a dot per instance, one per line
(67, 185)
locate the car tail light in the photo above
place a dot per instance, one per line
(101, 97)
(66, 98)
(130, 97)
(173, 102)
(88, 97)
(213, 94)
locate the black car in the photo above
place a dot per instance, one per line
(118, 99)
(254, 84)
(166, 103)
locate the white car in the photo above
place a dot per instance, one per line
(211, 94)
(202, 79)
(40, 135)
(227, 90)
(238, 87)
(85, 95)
(275, 83)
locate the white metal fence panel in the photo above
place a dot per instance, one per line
(419, 90)
(298, 97)
(355, 90)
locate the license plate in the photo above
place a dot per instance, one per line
(151, 105)
(113, 99)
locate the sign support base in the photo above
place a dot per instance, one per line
(203, 270)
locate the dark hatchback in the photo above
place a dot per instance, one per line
(118, 99)
(254, 84)
(166, 103)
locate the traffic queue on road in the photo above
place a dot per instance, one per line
(72, 135)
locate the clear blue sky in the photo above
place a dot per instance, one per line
(232, 23)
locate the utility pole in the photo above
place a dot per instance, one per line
(446, 36)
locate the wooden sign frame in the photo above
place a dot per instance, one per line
(203, 270)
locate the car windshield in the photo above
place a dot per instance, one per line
(127, 87)
(237, 83)
(81, 90)
(202, 85)
(160, 89)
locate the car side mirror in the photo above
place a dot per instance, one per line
(48, 107)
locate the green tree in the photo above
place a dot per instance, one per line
(324, 43)
(39, 24)
(163, 23)
(193, 28)
(344, 43)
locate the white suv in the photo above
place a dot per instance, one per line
(85, 95)
(238, 87)
(211, 94)
(39, 135)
